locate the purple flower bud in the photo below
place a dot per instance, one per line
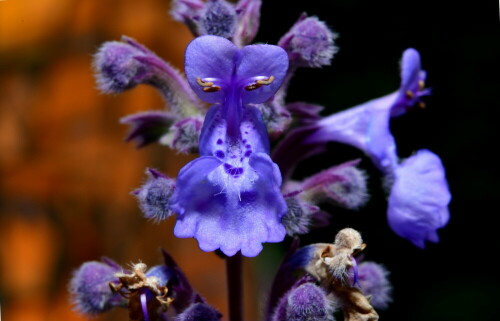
(123, 65)
(344, 185)
(307, 302)
(309, 43)
(218, 18)
(147, 127)
(116, 68)
(154, 195)
(248, 21)
(184, 135)
(298, 218)
(89, 288)
(373, 281)
(199, 312)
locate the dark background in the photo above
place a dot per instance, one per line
(459, 46)
(65, 173)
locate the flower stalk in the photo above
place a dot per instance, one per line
(234, 276)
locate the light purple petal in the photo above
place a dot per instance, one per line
(410, 68)
(261, 61)
(210, 57)
(229, 215)
(418, 204)
(412, 83)
(365, 127)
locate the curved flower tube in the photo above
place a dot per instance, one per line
(230, 197)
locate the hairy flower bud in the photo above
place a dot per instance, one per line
(122, 65)
(297, 219)
(116, 68)
(218, 18)
(304, 302)
(90, 290)
(308, 302)
(309, 43)
(184, 135)
(343, 185)
(154, 195)
(373, 281)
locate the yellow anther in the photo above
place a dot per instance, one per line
(204, 83)
(211, 89)
(421, 84)
(208, 86)
(421, 104)
(409, 94)
(266, 81)
(259, 83)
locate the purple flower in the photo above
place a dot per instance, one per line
(418, 203)
(230, 197)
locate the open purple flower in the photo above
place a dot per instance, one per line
(230, 197)
(419, 195)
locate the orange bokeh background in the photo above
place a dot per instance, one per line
(65, 172)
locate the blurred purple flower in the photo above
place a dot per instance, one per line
(230, 197)
(89, 287)
(372, 279)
